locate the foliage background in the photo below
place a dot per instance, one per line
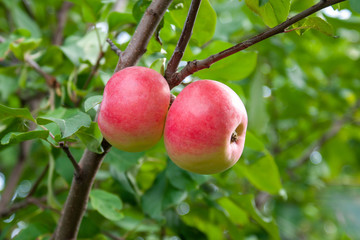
(298, 88)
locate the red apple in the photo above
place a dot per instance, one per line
(134, 107)
(205, 128)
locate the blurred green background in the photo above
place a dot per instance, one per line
(298, 177)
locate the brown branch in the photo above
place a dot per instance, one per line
(20, 205)
(330, 133)
(113, 47)
(76, 166)
(76, 202)
(90, 162)
(61, 20)
(50, 80)
(143, 34)
(198, 65)
(183, 40)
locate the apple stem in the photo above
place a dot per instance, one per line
(234, 137)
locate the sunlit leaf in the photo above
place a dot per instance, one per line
(205, 23)
(263, 173)
(68, 120)
(273, 12)
(235, 67)
(91, 102)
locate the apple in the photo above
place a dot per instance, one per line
(134, 107)
(205, 128)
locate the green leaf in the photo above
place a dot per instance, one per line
(7, 112)
(234, 212)
(116, 20)
(159, 65)
(68, 120)
(21, 48)
(139, 9)
(178, 177)
(319, 25)
(33, 231)
(107, 204)
(252, 142)
(235, 67)
(273, 12)
(22, 20)
(152, 199)
(262, 173)
(8, 86)
(258, 117)
(91, 137)
(204, 27)
(16, 137)
(85, 48)
(122, 160)
(91, 10)
(355, 5)
(262, 2)
(4, 47)
(247, 203)
(91, 102)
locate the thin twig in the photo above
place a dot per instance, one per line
(37, 182)
(94, 69)
(333, 130)
(26, 202)
(50, 80)
(143, 34)
(66, 149)
(20, 205)
(198, 65)
(61, 20)
(113, 47)
(183, 40)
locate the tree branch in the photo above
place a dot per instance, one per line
(94, 69)
(62, 18)
(198, 65)
(50, 80)
(76, 166)
(20, 205)
(113, 47)
(90, 162)
(143, 34)
(333, 130)
(183, 40)
(36, 184)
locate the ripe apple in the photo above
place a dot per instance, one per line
(205, 128)
(134, 107)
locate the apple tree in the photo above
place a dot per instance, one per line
(294, 64)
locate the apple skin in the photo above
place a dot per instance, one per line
(200, 125)
(134, 107)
